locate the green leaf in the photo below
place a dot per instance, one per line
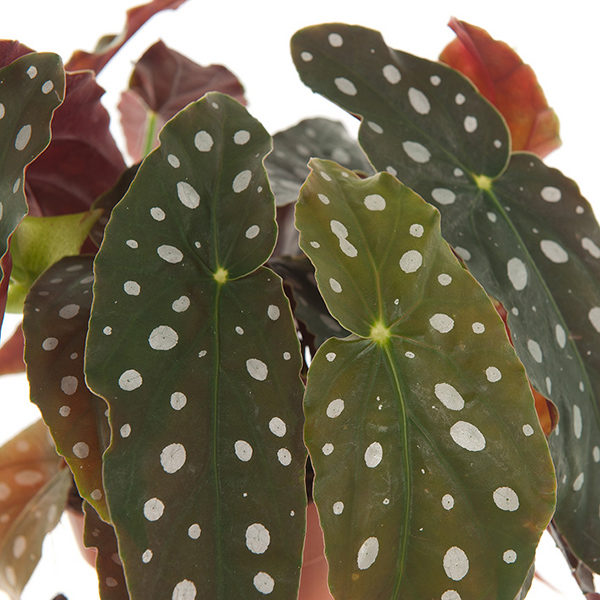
(287, 165)
(101, 535)
(55, 321)
(31, 88)
(38, 243)
(523, 229)
(432, 475)
(193, 346)
(34, 488)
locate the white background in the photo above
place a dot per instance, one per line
(559, 39)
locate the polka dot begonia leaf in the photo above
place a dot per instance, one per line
(34, 486)
(55, 322)
(193, 346)
(426, 484)
(101, 535)
(287, 164)
(523, 230)
(31, 88)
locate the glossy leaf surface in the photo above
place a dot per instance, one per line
(33, 492)
(162, 83)
(38, 243)
(101, 535)
(432, 476)
(524, 231)
(109, 45)
(193, 345)
(56, 314)
(30, 90)
(82, 161)
(510, 85)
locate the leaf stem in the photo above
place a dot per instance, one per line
(150, 133)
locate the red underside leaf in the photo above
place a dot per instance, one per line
(509, 84)
(109, 45)
(11, 354)
(10, 50)
(162, 83)
(82, 160)
(6, 268)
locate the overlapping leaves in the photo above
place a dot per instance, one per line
(510, 85)
(34, 486)
(524, 230)
(192, 344)
(56, 313)
(31, 88)
(427, 403)
(162, 83)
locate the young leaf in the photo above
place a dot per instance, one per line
(432, 475)
(510, 85)
(109, 45)
(162, 83)
(30, 90)
(82, 161)
(193, 346)
(101, 535)
(38, 243)
(34, 488)
(56, 314)
(524, 230)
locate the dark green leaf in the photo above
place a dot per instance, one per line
(287, 165)
(34, 488)
(56, 314)
(523, 229)
(193, 345)
(30, 89)
(432, 475)
(101, 535)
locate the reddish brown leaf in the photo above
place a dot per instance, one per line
(11, 353)
(10, 50)
(82, 160)
(109, 45)
(162, 83)
(509, 84)
(5, 269)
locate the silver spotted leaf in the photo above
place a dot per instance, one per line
(55, 323)
(432, 475)
(31, 88)
(100, 535)
(523, 229)
(193, 346)
(34, 487)
(287, 165)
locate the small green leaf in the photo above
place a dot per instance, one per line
(30, 90)
(193, 346)
(101, 535)
(55, 321)
(432, 475)
(523, 229)
(38, 243)
(34, 488)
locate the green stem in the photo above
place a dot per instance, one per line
(150, 133)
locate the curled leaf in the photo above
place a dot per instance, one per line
(510, 85)
(11, 353)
